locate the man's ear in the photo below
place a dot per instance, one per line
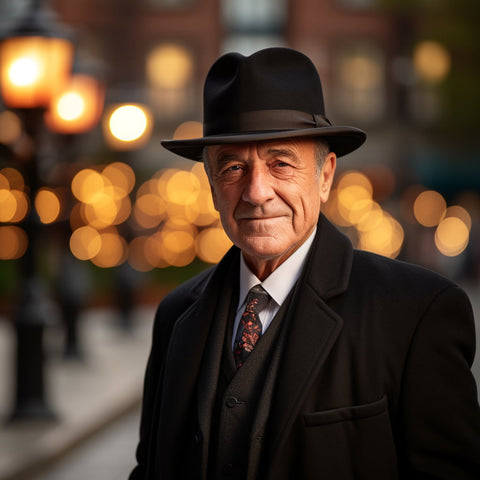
(326, 176)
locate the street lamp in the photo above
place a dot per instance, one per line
(35, 61)
(78, 106)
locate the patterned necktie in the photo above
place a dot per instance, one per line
(250, 327)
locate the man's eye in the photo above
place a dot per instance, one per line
(281, 164)
(233, 168)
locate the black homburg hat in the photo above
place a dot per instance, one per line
(274, 93)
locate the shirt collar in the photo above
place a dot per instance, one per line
(279, 283)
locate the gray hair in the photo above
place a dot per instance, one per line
(322, 149)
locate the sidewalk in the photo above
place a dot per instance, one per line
(87, 396)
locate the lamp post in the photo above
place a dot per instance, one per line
(35, 60)
(75, 110)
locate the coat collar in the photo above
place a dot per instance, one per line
(330, 261)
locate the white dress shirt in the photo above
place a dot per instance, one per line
(278, 285)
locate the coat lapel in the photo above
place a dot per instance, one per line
(313, 327)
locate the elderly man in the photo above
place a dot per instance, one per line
(298, 357)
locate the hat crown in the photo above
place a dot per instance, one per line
(271, 79)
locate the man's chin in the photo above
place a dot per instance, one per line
(261, 247)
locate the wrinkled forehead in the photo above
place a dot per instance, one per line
(265, 147)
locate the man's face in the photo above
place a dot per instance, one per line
(268, 195)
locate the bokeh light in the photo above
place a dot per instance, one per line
(461, 213)
(178, 247)
(13, 177)
(14, 203)
(25, 71)
(351, 205)
(13, 242)
(429, 208)
(431, 61)
(77, 108)
(86, 184)
(451, 236)
(121, 175)
(212, 244)
(361, 72)
(128, 123)
(187, 130)
(8, 205)
(10, 128)
(137, 257)
(85, 243)
(169, 66)
(104, 194)
(23, 206)
(33, 69)
(385, 238)
(113, 250)
(47, 205)
(127, 126)
(182, 188)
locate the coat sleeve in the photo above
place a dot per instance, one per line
(439, 403)
(170, 309)
(151, 390)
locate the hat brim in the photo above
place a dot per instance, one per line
(342, 140)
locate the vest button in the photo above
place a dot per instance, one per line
(231, 402)
(228, 469)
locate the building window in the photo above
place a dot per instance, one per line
(260, 16)
(251, 25)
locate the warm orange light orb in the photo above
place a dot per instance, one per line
(33, 69)
(128, 126)
(78, 106)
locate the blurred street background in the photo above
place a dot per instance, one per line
(98, 222)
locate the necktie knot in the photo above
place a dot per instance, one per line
(257, 299)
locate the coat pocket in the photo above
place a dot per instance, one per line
(347, 443)
(355, 412)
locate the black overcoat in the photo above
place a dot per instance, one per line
(374, 382)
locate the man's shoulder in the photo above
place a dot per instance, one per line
(189, 291)
(181, 298)
(377, 269)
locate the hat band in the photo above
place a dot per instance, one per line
(264, 120)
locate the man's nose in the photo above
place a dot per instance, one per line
(258, 186)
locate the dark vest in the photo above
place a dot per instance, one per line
(243, 402)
